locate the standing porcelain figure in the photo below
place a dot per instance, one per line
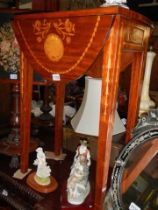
(146, 103)
(78, 186)
(42, 176)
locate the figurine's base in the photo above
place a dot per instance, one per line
(80, 199)
(41, 188)
(86, 205)
(42, 181)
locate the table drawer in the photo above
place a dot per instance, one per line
(134, 35)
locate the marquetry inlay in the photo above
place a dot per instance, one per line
(62, 32)
(65, 28)
(53, 47)
(53, 42)
(41, 29)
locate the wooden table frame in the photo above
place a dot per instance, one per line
(110, 38)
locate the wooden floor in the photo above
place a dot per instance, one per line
(60, 171)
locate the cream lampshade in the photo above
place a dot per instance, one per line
(86, 120)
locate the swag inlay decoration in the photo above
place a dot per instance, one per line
(53, 47)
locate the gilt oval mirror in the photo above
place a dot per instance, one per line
(134, 182)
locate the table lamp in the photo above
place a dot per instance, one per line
(86, 120)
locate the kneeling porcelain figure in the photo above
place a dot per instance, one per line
(78, 186)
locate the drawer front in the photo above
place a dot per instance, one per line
(134, 35)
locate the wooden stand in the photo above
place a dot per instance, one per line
(45, 119)
(40, 188)
(10, 145)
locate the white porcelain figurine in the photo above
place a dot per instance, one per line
(78, 186)
(42, 176)
(115, 2)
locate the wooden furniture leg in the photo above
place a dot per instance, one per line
(107, 113)
(60, 95)
(134, 95)
(26, 76)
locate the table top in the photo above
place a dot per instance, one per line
(110, 10)
(64, 45)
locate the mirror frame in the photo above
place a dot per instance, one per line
(146, 130)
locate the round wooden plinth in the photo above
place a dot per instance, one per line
(41, 188)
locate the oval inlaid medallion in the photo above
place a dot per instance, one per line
(53, 47)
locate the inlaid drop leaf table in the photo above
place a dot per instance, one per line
(63, 46)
